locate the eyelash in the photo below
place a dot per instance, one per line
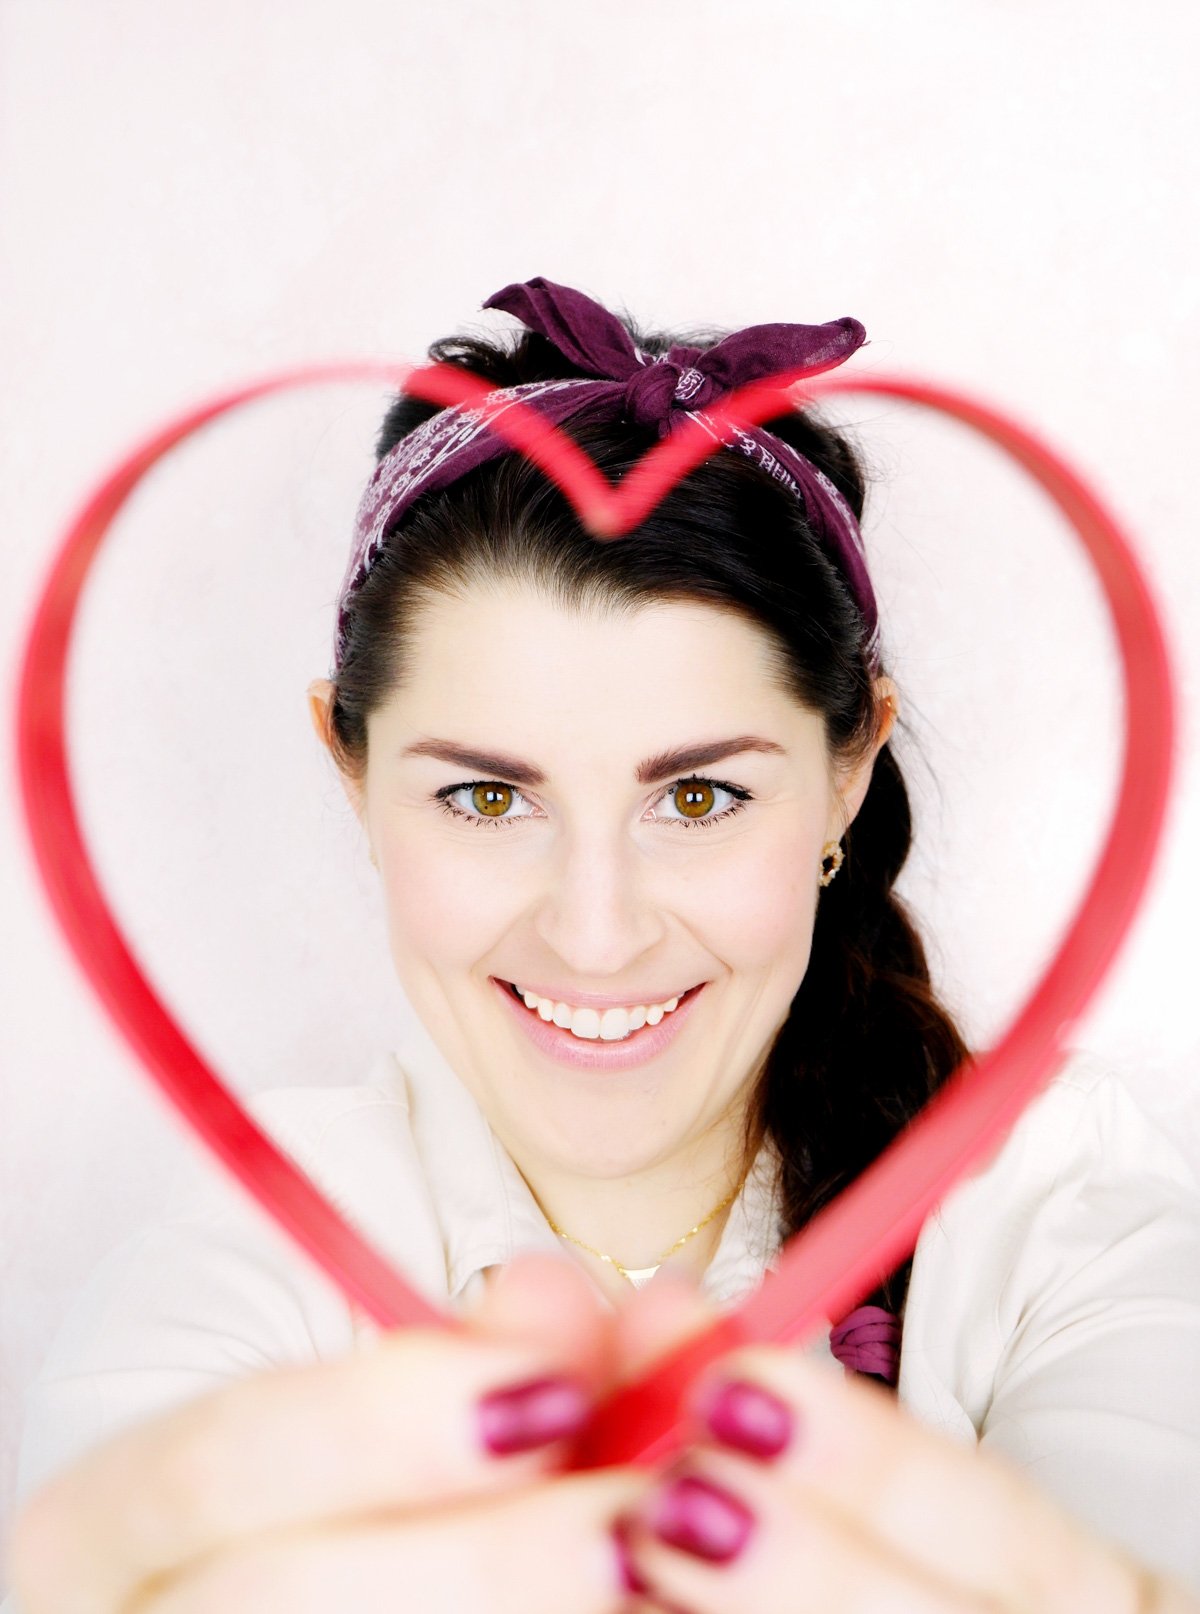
(442, 797)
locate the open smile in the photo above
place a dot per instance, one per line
(562, 1045)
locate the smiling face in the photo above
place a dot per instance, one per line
(592, 880)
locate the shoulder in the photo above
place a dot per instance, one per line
(212, 1279)
(1087, 1204)
(355, 1143)
(1085, 1125)
(337, 1134)
(346, 1136)
(212, 1288)
(1060, 1313)
(307, 1115)
(1083, 1160)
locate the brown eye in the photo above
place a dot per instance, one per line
(693, 799)
(493, 800)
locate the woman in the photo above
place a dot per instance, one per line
(638, 822)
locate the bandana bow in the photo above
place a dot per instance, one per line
(687, 378)
(620, 380)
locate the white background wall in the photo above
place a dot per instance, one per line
(195, 193)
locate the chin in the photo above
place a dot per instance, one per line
(582, 1144)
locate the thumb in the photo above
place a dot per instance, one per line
(668, 1310)
(548, 1300)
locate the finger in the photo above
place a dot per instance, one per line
(540, 1296)
(792, 1560)
(542, 1550)
(399, 1423)
(956, 1512)
(806, 1559)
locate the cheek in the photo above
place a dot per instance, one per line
(443, 904)
(758, 906)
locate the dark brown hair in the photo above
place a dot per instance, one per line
(866, 1042)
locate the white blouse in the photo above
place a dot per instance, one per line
(1053, 1311)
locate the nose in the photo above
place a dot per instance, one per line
(599, 908)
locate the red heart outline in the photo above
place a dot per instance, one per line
(872, 1225)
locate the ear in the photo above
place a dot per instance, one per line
(852, 787)
(320, 700)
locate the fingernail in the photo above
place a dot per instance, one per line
(701, 1518)
(532, 1414)
(745, 1415)
(630, 1576)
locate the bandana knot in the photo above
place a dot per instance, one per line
(693, 389)
(655, 390)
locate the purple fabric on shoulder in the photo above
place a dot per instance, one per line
(867, 1340)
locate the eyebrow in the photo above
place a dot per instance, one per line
(665, 765)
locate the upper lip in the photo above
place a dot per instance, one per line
(591, 1000)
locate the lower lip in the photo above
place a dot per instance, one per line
(593, 1053)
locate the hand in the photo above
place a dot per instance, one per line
(374, 1491)
(361, 1483)
(829, 1495)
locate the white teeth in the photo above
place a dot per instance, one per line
(611, 1026)
(586, 1022)
(615, 1024)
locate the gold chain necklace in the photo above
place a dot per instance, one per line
(637, 1276)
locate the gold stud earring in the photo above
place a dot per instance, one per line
(831, 849)
(373, 858)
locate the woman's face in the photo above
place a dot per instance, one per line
(589, 862)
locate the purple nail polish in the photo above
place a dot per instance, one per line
(631, 1578)
(744, 1415)
(532, 1414)
(701, 1518)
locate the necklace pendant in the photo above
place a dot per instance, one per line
(639, 1275)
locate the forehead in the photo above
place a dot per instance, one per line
(510, 660)
(689, 641)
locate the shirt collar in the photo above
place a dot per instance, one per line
(487, 1212)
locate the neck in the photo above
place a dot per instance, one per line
(637, 1218)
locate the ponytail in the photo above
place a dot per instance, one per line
(866, 1043)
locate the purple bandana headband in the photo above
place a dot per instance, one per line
(630, 385)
